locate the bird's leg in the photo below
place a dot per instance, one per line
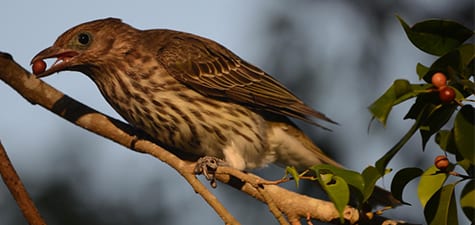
(207, 166)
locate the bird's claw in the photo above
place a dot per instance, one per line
(207, 166)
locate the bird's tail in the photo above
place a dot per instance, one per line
(294, 148)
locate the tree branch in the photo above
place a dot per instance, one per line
(18, 191)
(281, 201)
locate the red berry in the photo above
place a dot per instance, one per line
(446, 94)
(38, 67)
(439, 79)
(441, 162)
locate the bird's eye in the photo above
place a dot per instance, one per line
(84, 38)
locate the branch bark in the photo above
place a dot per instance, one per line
(18, 191)
(281, 201)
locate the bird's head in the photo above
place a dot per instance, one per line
(87, 46)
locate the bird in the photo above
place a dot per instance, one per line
(193, 94)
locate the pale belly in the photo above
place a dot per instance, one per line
(202, 126)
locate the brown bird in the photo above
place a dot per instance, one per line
(191, 93)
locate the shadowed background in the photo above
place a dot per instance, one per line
(338, 56)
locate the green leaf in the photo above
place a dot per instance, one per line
(370, 175)
(454, 64)
(425, 104)
(433, 122)
(467, 166)
(464, 132)
(337, 190)
(401, 179)
(467, 200)
(441, 209)
(430, 114)
(436, 37)
(419, 108)
(400, 91)
(467, 56)
(445, 139)
(401, 87)
(430, 182)
(294, 173)
(381, 108)
(351, 177)
(415, 90)
(421, 70)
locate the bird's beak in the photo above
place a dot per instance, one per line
(63, 59)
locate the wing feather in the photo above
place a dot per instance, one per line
(212, 70)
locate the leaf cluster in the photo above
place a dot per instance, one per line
(448, 41)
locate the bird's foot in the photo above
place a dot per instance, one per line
(207, 166)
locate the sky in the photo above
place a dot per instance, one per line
(38, 142)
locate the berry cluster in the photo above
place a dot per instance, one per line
(446, 93)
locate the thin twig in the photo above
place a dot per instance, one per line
(18, 191)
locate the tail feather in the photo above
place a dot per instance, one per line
(294, 148)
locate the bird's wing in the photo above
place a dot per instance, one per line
(212, 70)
